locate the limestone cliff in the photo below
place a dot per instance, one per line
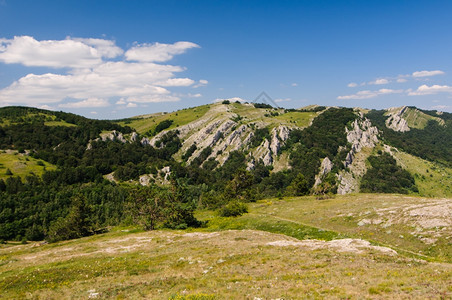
(395, 121)
(362, 135)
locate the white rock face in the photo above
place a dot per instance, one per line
(145, 141)
(134, 137)
(269, 150)
(325, 168)
(113, 136)
(395, 120)
(362, 134)
(166, 174)
(145, 179)
(209, 137)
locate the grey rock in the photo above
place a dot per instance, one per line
(396, 122)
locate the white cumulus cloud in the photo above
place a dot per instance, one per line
(352, 84)
(430, 90)
(90, 102)
(427, 73)
(201, 83)
(94, 71)
(379, 81)
(72, 53)
(157, 52)
(367, 94)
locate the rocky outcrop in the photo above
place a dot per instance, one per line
(113, 136)
(361, 135)
(145, 141)
(209, 136)
(134, 137)
(145, 179)
(395, 120)
(267, 151)
(325, 168)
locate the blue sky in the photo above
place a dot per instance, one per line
(116, 59)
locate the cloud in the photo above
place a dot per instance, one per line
(132, 104)
(379, 81)
(157, 52)
(441, 107)
(93, 70)
(90, 102)
(402, 78)
(283, 100)
(176, 82)
(121, 101)
(367, 94)
(198, 95)
(294, 84)
(201, 83)
(71, 53)
(431, 90)
(418, 74)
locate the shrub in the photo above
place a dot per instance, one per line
(233, 209)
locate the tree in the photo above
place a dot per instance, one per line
(75, 225)
(299, 186)
(146, 205)
(235, 189)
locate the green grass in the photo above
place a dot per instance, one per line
(300, 119)
(143, 124)
(252, 114)
(50, 120)
(256, 221)
(384, 219)
(418, 119)
(232, 264)
(21, 165)
(432, 180)
(59, 123)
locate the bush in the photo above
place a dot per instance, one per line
(233, 209)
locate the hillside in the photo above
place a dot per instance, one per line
(58, 166)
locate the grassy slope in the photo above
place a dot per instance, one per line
(418, 119)
(181, 117)
(21, 165)
(50, 120)
(415, 118)
(433, 180)
(291, 119)
(223, 264)
(249, 114)
(404, 223)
